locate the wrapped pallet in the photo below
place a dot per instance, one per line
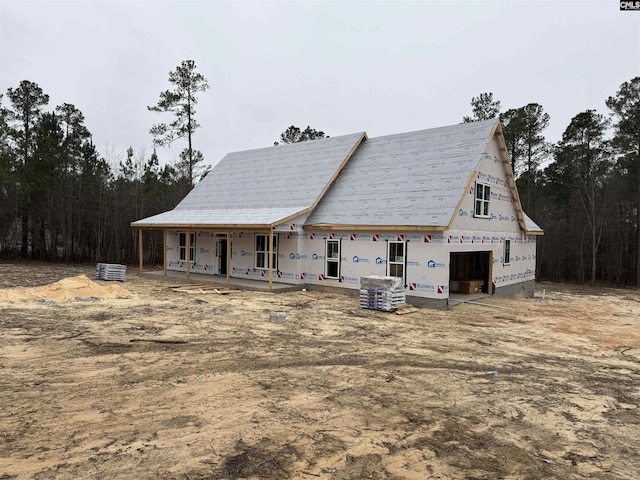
(381, 293)
(111, 271)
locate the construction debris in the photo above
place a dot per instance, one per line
(158, 340)
(203, 288)
(404, 309)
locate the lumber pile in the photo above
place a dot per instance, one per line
(203, 288)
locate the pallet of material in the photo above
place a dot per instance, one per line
(381, 293)
(386, 300)
(111, 272)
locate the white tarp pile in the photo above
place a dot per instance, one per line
(381, 293)
(111, 271)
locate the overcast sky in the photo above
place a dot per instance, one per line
(340, 67)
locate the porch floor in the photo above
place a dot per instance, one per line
(239, 283)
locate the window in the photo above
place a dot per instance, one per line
(483, 194)
(262, 251)
(333, 259)
(396, 259)
(182, 246)
(507, 252)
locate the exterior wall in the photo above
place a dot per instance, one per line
(243, 262)
(427, 262)
(365, 253)
(204, 252)
(243, 259)
(302, 259)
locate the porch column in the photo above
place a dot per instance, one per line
(270, 259)
(228, 257)
(187, 254)
(140, 247)
(164, 252)
(490, 282)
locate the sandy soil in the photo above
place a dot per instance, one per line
(161, 384)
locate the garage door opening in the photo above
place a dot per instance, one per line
(470, 272)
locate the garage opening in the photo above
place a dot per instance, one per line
(470, 272)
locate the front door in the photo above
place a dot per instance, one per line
(221, 248)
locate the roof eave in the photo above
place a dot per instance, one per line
(206, 226)
(381, 228)
(496, 132)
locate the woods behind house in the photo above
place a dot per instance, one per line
(61, 200)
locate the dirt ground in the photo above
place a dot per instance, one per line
(143, 382)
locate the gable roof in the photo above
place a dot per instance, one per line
(407, 181)
(262, 187)
(413, 179)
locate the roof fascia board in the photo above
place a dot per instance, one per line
(498, 134)
(375, 228)
(291, 217)
(336, 174)
(203, 227)
(472, 175)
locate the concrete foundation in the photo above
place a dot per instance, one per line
(435, 303)
(523, 290)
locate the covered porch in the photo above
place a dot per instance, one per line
(189, 276)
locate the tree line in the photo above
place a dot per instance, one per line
(583, 191)
(60, 200)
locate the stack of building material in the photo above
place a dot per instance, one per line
(111, 271)
(381, 293)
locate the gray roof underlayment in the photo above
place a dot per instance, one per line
(410, 179)
(532, 227)
(413, 179)
(262, 187)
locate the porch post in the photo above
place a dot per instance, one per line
(140, 247)
(187, 254)
(228, 257)
(164, 252)
(490, 281)
(270, 258)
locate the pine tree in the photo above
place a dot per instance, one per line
(27, 101)
(294, 135)
(181, 103)
(626, 111)
(483, 107)
(584, 159)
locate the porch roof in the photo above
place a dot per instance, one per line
(227, 218)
